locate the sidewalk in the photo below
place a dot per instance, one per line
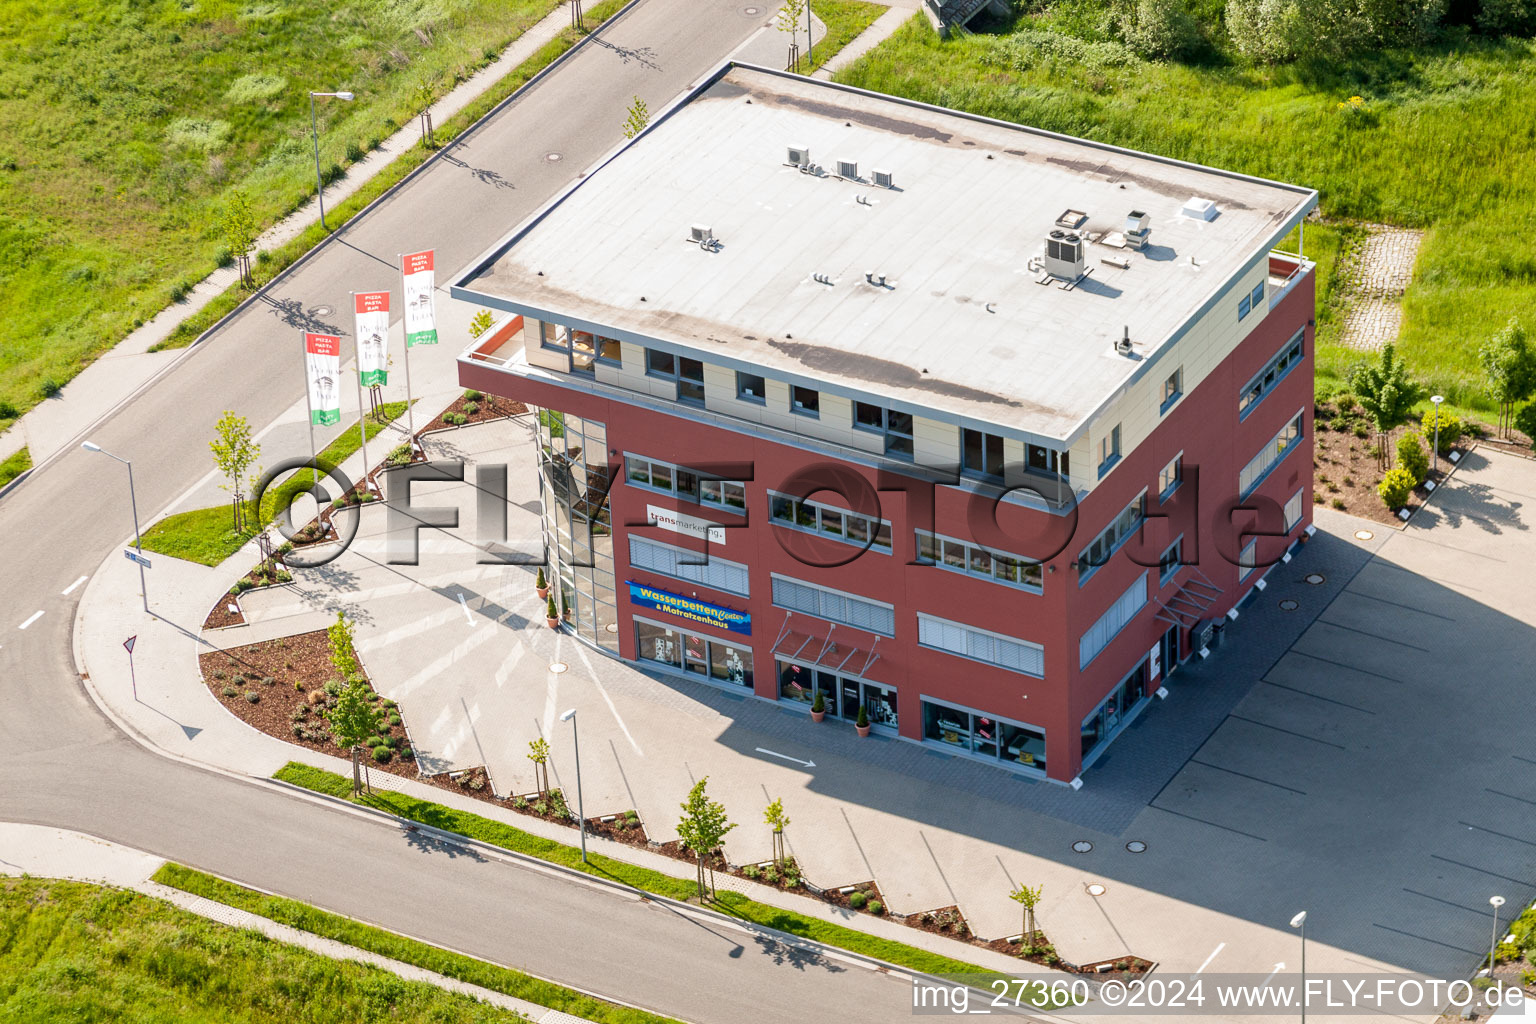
(881, 29)
(40, 851)
(56, 423)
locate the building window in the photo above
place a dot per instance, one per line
(692, 566)
(834, 605)
(1173, 389)
(1168, 480)
(1257, 296)
(975, 560)
(1112, 622)
(981, 645)
(660, 364)
(690, 381)
(693, 654)
(894, 427)
(1109, 450)
(1247, 559)
(554, 336)
(1114, 711)
(830, 521)
(1269, 457)
(1293, 509)
(683, 482)
(841, 694)
(1274, 371)
(805, 401)
(983, 735)
(1040, 459)
(1244, 306)
(610, 351)
(1115, 534)
(981, 453)
(1171, 561)
(750, 388)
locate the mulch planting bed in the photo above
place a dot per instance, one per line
(220, 615)
(285, 676)
(486, 407)
(621, 828)
(1345, 466)
(943, 921)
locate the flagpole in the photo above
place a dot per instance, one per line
(410, 411)
(362, 415)
(314, 455)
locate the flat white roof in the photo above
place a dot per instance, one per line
(962, 324)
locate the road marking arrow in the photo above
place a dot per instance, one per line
(796, 760)
(1278, 968)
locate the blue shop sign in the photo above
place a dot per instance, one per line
(690, 608)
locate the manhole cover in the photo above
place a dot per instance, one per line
(1081, 846)
(553, 158)
(1289, 605)
(1136, 846)
(558, 666)
(1096, 890)
(322, 311)
(751, 12)
(1317, 579)
(1363, 535)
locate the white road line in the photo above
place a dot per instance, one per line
(467, 617)
(34, 618)
(551, 688)
(607, 700)
(75, 584)
(505, 671)
(1208, 959)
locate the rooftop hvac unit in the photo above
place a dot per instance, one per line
(701, 233)
(882, 178)
(799, 156)
(848, 169)
(1138, 228)
(1064, 255)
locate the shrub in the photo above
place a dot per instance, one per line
(394, 719)
(230, 691)
(1450, 428)
(218, 673)
(317, 697)
(1156, 28)
(1338, 503)
(876, 907)
(389, 703)
(8, 410)
(819, 705)
(333, 688)
(406, 752)
(180, 290)
(1525, 422)
(1362, 431)
(399, 456)
(382, 754)
(1411, 456)
(299, 713)
(470, 408)
(1265, 31)
(863, 720)
(857, 899)
(633, 817)
(771, 875)
(298, 731)
(268, 681)
(471, 395)
(252, 697)
(298, 684)
(752, 871)
(1395, 487)
(374, 741)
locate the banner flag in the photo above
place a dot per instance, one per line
(322, 365)
(420, 309)
(372, 337)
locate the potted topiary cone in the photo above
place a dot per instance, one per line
(818, 708)
(541, 584)
(551, 616)
(862, 723)
(565, 607)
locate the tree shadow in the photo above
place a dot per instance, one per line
(484, 175)
(293, 313)
(645, 56)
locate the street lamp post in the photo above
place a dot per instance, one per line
(1435, 452)
(92, 446)
(1300, 921)
(1493, 940)
(581, 814)
(315, 131)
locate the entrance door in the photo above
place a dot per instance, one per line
(850, 704)
(1168, 650)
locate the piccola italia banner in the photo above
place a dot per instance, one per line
(420, 312)
(322, 364)
(373, 337)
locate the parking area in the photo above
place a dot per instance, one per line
(1360, 746)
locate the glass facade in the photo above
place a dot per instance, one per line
(984, 736)
(693, 653)
(842, 694)
(1114, 711)
(578, 534)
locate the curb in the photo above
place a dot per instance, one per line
(16, 481)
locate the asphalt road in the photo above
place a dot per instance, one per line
(63, 764)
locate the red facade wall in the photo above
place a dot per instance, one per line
(1204, 425)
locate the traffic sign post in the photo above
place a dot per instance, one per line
(131, 675)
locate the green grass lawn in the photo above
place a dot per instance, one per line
(85, 954)
(15, 465)
(735, 904)
(844, 19)
(1442, 141)
(397, 947)
(125, 128)
(207, 535)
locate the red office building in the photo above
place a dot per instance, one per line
(978, 428)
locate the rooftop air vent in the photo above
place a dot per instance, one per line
(1138, 228)
(1123, 346)
(1071, 219)
(848, 169)
(1200, 209)
(1064, 255)
(799, 156)
(881, 178)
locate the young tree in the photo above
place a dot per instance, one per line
(343, 656)
(240, 233)
(702, 829)
(352, 720)
(1028, 898)
(788, 20)
(1385, 390)
(638, 116)
(776, 818)
(480, 323)
(1509, 363)
(538, 753)
(422, 95)
(235, 454)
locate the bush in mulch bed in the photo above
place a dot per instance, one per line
(1039, 950)
(550, 806)
(621, 828)
(474, 407)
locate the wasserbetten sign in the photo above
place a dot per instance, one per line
(642, 596)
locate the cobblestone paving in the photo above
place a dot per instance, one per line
(1376, 279)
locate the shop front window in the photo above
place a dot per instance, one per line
(841, 695)
(984, 736)
(693, 653)
(1114, 711)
